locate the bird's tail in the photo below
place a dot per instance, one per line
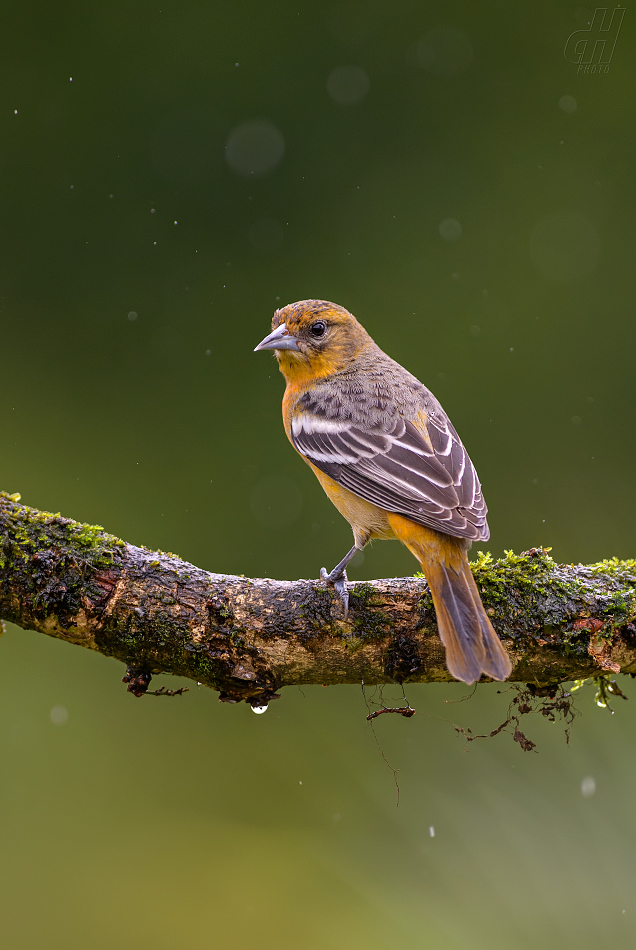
(471, 644)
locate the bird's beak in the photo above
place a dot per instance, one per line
(278, 339)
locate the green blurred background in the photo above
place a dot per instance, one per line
(170, 174)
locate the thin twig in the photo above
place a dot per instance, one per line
(406, 711)
(162, 691)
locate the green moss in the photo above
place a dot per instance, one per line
(88, 535)
(353, 644)
(531, 592)
(364, 594)
(370, 621)
(622, 570)
(375, 623)
(606, 686)
(54, 560)
(521, 571)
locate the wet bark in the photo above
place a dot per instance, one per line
(248, 637)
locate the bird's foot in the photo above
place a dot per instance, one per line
(339, 583)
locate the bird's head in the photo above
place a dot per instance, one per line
(314, 338)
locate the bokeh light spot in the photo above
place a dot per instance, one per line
(567, 103)
(588, 786)
(450, 229)
(59, 715)
(348, 85)
(254, 148)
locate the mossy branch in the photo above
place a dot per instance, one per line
(247, 637)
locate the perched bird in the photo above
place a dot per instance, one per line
(389, 459)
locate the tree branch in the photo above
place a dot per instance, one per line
(247, 637)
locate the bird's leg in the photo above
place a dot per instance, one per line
(338, 578)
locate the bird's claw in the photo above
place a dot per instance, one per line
(339, 584)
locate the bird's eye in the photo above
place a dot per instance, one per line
(318, 328)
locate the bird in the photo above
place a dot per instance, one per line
(389, 459)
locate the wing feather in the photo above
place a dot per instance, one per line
(395, 466)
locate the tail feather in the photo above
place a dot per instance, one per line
(496, 663)
(458, 624)
(471, 644)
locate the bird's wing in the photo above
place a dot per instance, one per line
(431, 481)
